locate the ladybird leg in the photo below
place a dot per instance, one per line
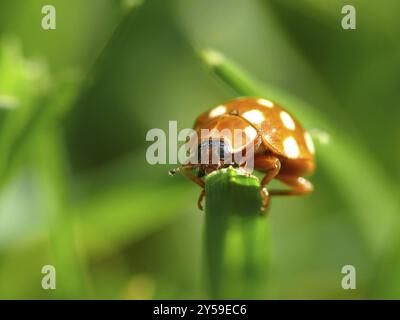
(186, 171)
(271, 166)
(265, 201)
(201, 198)
(299, 186)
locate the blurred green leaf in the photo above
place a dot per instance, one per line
(124, 215)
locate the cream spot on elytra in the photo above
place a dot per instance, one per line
(265, 103)
(250, 132)
(254, 116)
(287, 120)
(291, 148)
(217, 111)
(309, 142)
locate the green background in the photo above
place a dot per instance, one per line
(76, 103)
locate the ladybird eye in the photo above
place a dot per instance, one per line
(199, 152)
(212, 148)
(221, 151)
(224, 152)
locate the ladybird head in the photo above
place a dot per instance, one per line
(212, 151)
(212, 154)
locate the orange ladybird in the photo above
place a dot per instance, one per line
(283, 150)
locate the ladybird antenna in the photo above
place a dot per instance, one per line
(174, 171)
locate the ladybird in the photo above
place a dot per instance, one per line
(283, 150)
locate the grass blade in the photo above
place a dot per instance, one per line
(233, 197)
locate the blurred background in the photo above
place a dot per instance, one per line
(76, 104)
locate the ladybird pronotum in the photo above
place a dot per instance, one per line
(283, 150)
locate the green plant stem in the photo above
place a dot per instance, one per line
(231, 195)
